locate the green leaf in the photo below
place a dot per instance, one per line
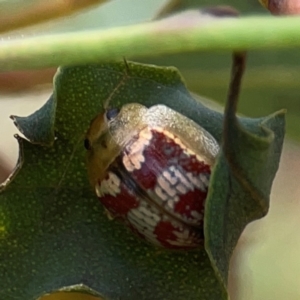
(243, 174)
(39, 127)
(53, 232)
(242, 193)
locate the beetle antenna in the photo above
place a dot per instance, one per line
(127, 73)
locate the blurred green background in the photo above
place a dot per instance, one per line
(266, 264)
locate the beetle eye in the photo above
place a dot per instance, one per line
(87, 144)
(112, 113)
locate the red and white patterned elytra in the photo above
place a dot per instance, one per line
(157, 184)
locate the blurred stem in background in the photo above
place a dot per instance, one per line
(18, 81)
(4, 169)
(13, 16)
(282, 7)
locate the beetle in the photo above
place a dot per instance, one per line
(150, 167)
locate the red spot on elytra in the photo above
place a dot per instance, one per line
(165, 232)
(191, 201)
(161, 154)
(122, 203)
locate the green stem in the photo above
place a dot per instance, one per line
(150, 39)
